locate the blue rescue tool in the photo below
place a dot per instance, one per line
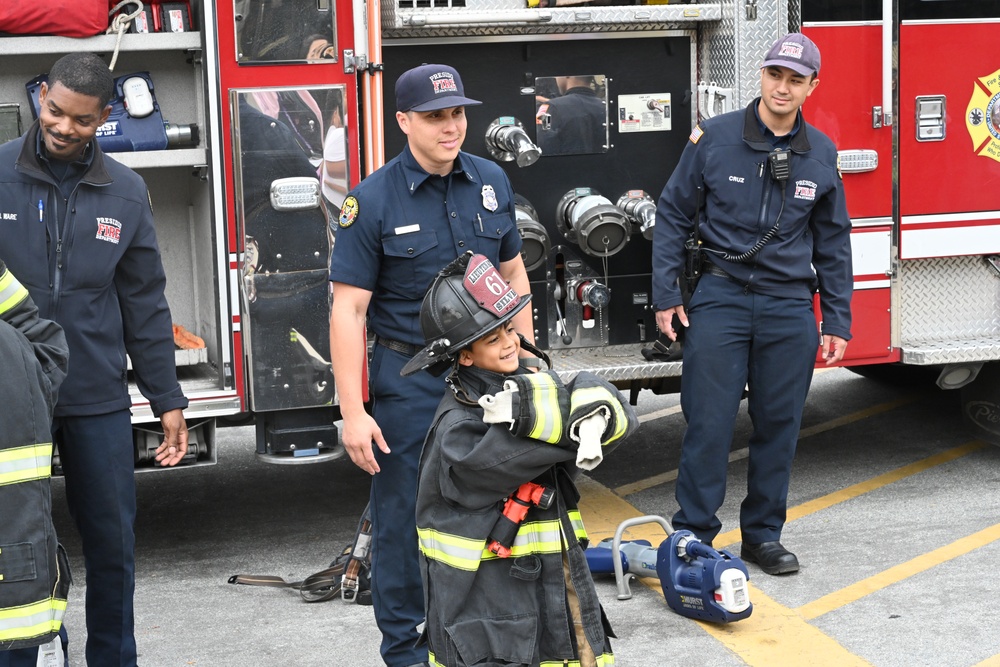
(698, 581)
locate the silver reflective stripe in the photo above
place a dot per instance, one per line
(32, 620)
(534, 537)
(601, 396)
(548, 424)
(25, 464)
(452, 550)
(577, 521)
(11, 292)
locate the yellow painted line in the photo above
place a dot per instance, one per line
(603, 512)
(893, 575)
(805, 509)
(776, 636)
(659, 414)
(858, 416)
(666, 477)
(671, 475)
(989, 662)
(773, 636)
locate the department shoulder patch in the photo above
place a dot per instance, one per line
(349, 212)
(696, 134)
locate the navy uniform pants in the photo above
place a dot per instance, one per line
(403, 407)
(98, 462)
(739, 339)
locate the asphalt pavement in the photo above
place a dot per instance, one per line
(894, 513)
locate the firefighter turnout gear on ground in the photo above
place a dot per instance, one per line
(549, 613)
(34, 572)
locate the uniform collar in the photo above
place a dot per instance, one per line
(479, 382)
(581, 90)
(416, 175)
(29, 158)
(760, 138)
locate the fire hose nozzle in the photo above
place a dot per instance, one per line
(507, 141)
(640, 209)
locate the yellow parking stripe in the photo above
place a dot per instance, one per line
(858, 416)
(752, 639)
(775, 636)
(915, 566)
(730, 537)
(667, 477)
(989, 662)
(670, 476)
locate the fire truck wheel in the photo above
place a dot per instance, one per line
(981, 404)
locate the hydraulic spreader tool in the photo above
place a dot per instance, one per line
(698, 581)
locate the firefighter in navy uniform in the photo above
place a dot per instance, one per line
(505, 577)
(79, 235)
(396, 230)
(576, 118)
(774, 229)
(34, 572)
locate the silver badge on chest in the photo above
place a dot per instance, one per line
(490, 198)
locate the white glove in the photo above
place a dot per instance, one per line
(499, 408)
(588, 432)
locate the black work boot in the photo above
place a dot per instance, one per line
(771, 557)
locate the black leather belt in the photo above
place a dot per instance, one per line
(408, 349)
(714, 270)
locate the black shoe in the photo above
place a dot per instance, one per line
(771, 557)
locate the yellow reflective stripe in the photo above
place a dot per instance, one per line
(534, 537)
(11, 292)
(31, 620)
(587, 395)
(25, 464)
(548, 425)
(576, 519)
(452, 550)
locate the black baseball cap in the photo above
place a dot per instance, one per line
(431, 87)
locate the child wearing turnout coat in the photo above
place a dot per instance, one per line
(505, 577)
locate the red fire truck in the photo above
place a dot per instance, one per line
(266, 111)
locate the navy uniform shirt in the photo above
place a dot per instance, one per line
(577, 123)
(728, 156)
(401, 225)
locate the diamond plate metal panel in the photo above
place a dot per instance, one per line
(950, 310)
(732, 49)
(794, 16)
(612, 362)
(717, 49)
(447, 18)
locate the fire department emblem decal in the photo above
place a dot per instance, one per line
(805, 190)
(348, 212)
(983, 116)
(490, 198)
(109, 229)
